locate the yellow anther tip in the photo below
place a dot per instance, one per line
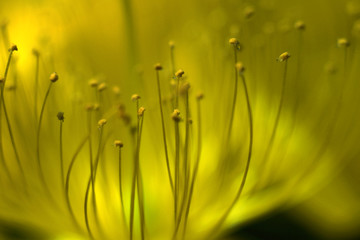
(141, 111)
(300, 25)
(199, 96)
(249, 12)
(176, 115)
(158, 67)
(135, 97)
(171, 44)
(240, 67)
(118, 143)
(102, 87)
(54, 77)
(283, 57)
(116, 90)
(102, 122)
(343, 42)
(179, 73)
(233, 41)
(93, 83)
(185, 88)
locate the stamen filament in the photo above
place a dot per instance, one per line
(164, 133)
(140, 186)
(92, 182)
(242, 184)
(42, 178)
(136, 180)
(36, 86)
(196, 167)
(185, 163)
(172, 57)
(234, 97)
(277, 119)
(12, 49)
(85, 208)
(177, 168)
(61, 154)
(67, 182)
(121, 186)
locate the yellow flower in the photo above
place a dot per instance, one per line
(260, 135)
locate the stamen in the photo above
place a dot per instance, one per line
(235, 43)
(199, 97)
(300, 25)
(282, 58)
(249, 12)
(120, 145)
(91, 181)
(61, 118)
(178, 76)
(226, 165)
(12, 49)
(172, 58)
(37, 67)
(136, 180)
(345, 44)
(185, 163)
(94, 83)
(242, 184)
(158, 67)
(53, 78)
(176, 117)
(139, 178)
(89, 108)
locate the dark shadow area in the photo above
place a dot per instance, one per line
(15, 231)
(279, 226)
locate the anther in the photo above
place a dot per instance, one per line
(199, 96)
(158, 67)
(240, 67)
(116, 90)
(135, 97)
(185, 88)
(283, 57)
(249, 12)
(343, 42)
(54, 77)
(102, 122)
(179, 73)
(176, 115)
(233, 41)
(299, 25)
(89, 107)
(93, 82)
(36, 52)
(141, 111)
(13, 47)
(102, 87)
(356, 27)
(96, 106)
(118, 143)
(330, 68)
(60, 116)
